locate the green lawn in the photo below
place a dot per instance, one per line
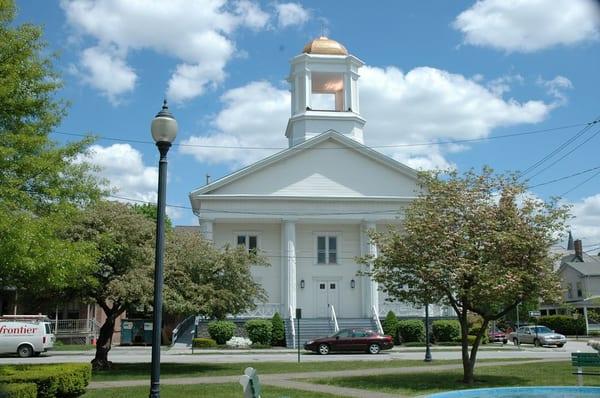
(208, 390)
(533, 374)
(131, 371)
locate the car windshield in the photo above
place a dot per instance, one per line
(343, 333)
(541, 329)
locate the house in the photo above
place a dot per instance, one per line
(580, 280)
(310, 207)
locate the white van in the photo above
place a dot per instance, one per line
(25, 335)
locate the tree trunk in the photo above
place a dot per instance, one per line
(464, 332)
(104, 343)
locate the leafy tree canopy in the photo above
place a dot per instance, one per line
(42, 185)
(476, 242)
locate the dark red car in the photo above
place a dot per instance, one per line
(497, 335)
(351, 340)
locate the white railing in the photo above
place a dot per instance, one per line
(376, 319)
(336, 327)
(74, 326)
(293, 327)
(265, 310)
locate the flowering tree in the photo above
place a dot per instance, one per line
(475, 242)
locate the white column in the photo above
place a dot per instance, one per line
(587, 323)
(307, 89)
(289, 265)
(348, 91)
(206, 229)
(370, 287)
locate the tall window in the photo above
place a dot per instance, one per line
(250, 242)
(327, 252)
(569, 290)
(579, 289)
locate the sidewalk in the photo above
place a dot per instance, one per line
(295, 380)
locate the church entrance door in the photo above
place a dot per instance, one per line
(328, 294)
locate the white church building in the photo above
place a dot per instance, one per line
(308, 208)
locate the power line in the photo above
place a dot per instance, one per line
(564, 178)
(429, 143)
(580, 184)
(559, 148)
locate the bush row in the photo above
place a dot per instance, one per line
(563, 324)
(51, 381)
(260, 331)
(18, 390)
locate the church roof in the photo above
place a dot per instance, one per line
(331, 134)
(590, 265)
(324, 45)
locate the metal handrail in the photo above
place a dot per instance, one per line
(377, 321)
(293, 327)
(336, 327)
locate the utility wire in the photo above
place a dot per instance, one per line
(564, 178)
(560, 147)
(429, 143)
(581, 183)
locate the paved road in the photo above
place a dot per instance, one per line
(142, 354)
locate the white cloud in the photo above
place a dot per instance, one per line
(424, 104)
(556, 88)
(289, 14)
(529, 25)
(196, 33)
(586, 224)
(107, 73)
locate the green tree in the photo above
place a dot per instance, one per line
(208, 281)
(476, 242)
(149, 210)
(123, 280)
(42, 185)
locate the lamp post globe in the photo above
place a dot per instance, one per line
(164, 131)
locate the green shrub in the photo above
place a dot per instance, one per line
(221, 331)
(445, 331)
(278, 331)
(201, 342)
(52, 381)
(411, 330)
(471, 339)
(259, 331)
(564, 324)
(18, 390)
(390, 326)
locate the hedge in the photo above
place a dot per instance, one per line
(445, 330)
(411, 330)
(52, 381)
(563, 324)
(390, 326)
(259, 331)
(278, 331)
(221, 331)
(201, 342)
(18, 390)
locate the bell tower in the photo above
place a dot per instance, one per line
(324, 87)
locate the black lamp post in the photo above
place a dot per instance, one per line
(427, 344)
(164, 130)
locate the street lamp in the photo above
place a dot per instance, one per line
(164, 130)
(427, 344)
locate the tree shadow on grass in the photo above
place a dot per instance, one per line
(423, 382)
(142, 370)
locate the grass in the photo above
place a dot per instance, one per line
(533, 374)
(207, 390)
(131, 371)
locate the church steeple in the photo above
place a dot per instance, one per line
(324, 86)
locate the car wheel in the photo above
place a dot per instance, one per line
(560, 345)
(323, 349)
(374, 348)
(516, 341)
(537, 343)
(25, 351)
(504, 341)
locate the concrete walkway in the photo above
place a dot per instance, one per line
(294, 380)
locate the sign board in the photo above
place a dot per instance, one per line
(298, 313)
(534, 314)
(127, 325)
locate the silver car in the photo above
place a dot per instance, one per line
(537, 335)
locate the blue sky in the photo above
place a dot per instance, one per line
(435, 71)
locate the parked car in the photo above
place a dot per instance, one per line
(497, 335)
(25, 336)
(537, 335)
(351, 340)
